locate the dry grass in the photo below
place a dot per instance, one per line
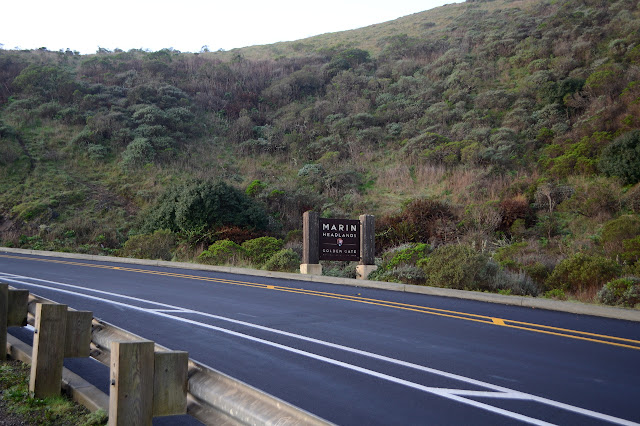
(407, 178)
(588, 295)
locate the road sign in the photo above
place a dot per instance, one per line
(339, 239)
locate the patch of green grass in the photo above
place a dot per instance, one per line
(59, 410)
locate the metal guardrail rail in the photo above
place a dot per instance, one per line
(213, 397)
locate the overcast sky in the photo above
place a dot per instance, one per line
(187, 25)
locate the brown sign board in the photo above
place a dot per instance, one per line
(339, 239)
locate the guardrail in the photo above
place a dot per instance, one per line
(147, 379)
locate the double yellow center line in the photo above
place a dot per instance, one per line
(502, 322)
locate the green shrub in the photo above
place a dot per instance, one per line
(158, 245)
(339, 269)
(311, 170)
(406, 255)
(407, 274)
(286, 260)
(537, 271)
(222, 252)
(399, 264)
(615, 232)
(199, 205)
(138, 153)
(259, 250)
(556, 293)
(97, 152)
(582, 272)
(516, 283)
(593, 197)
(506, 255)
(623, 291)
(631, 250)
(255, 188)
(621, 158)
(455, 266)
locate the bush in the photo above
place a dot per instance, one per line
(255, 188)
(582, 272)
(408, 274)
(222, 252)
(158, 245)
(204, 205)
(421, 221)
(138, 153)
(513, 209)
(455, 266)
(399, 264)
(526, 257)
(631, 250)
(339, 269)
(623, 291)
(556, 293)
(516, 283)
(286, 260)
(260, 250)
(593, 197)
(97, 152)
(621, 158)
(410, 255)
(617, 231)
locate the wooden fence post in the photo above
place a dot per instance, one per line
(170, 383)
(48, 350)
(131, 393)
(4, 312)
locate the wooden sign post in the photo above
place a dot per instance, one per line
(367, 247)
(310, 244)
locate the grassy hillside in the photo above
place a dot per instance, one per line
(497, 143)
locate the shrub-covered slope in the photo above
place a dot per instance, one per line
(507, 128)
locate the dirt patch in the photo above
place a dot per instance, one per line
(10, 229)
(106, 199)
(8, 419)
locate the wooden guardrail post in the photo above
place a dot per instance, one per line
(18, 304)
(170, 383)
(4, 312)
(78, 334)
(48, 350)
(131, 393)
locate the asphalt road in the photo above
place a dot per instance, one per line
(363, 356)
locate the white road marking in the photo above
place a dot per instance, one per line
(453, 394)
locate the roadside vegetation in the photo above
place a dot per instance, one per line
(496, 142)
(18, 408)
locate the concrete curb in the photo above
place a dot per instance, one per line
(81, 391)
(530, 302)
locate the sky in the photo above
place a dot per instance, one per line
(187, 25)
